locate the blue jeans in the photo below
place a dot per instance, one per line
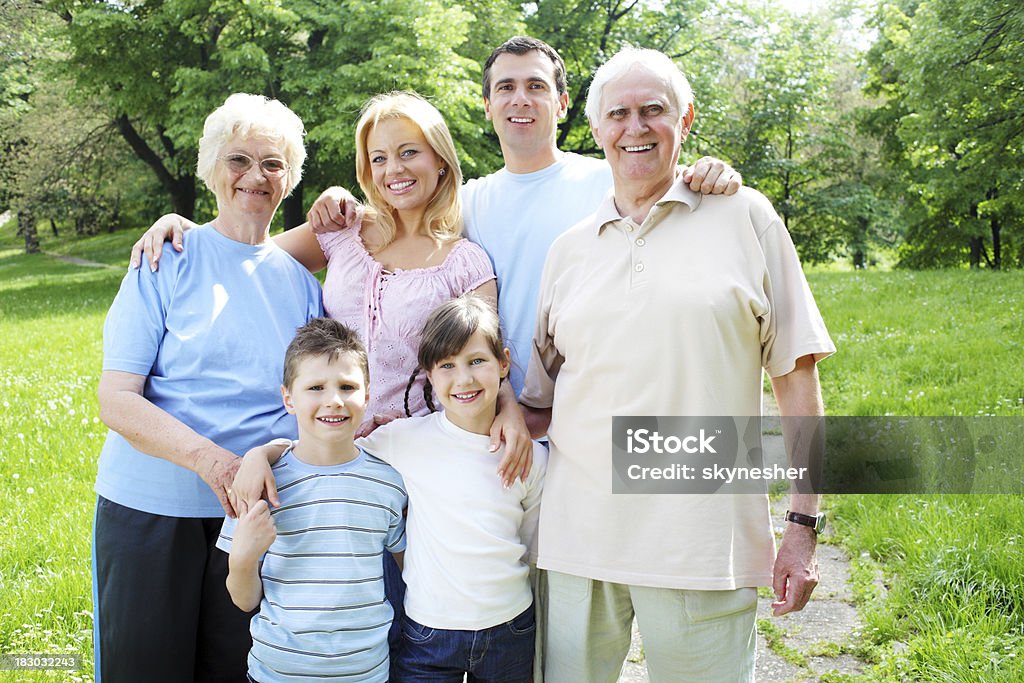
(500, 654)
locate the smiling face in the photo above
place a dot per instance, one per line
(524, 106)
(467, 384)
(404, 167)
(640, 129)
(252, 194)
(328, 397)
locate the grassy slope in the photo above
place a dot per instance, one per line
(910, 343)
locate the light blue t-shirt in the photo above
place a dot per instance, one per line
(208, 330)
(323, 615)
(515, 217)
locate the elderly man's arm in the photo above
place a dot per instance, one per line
(155, 432)
(798, 393)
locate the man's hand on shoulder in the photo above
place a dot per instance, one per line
(712, 176)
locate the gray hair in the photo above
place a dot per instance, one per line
(652, 61)
(243, 115)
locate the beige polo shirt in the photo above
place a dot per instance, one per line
(676, 316)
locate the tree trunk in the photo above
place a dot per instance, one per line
(183, 196)
(860, 256)
(975, 253)
(53, 227)
(27, 227)
(293, 210)
(997, 244)
(182, 189)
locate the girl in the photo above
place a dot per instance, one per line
(469, 608)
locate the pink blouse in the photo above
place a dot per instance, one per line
(388, 309)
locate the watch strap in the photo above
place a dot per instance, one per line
(816, 522)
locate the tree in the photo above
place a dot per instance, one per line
(953, 123)
(160, 66)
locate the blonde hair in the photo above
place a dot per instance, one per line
(243, 116)
(443, 215)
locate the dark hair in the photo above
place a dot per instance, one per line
(446, 333)
(520, 45)
(323, 337)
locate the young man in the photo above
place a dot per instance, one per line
(313, 566)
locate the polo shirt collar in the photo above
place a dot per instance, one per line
(679, 192)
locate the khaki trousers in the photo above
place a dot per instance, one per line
(688, 635)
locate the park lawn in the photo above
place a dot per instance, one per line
(926, 343)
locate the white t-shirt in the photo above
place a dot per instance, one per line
(515, 217)
(469, 537)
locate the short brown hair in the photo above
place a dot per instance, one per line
(323, 337)
(446, 332)
(520, 45)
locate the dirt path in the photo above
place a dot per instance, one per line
(80, 261)
(808, 644)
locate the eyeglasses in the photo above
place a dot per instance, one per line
(241, 163)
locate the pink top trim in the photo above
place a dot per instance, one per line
(388, 309)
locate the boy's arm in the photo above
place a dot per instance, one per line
(253, 537)
(254, 477)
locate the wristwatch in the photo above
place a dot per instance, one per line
(816, 522)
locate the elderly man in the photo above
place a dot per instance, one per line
(664, 302)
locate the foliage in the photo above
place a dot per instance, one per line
(158, 68)
(913, 141)
(953, 124)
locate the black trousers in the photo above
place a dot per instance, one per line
(163, 613)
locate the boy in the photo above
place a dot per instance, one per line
(314, 565)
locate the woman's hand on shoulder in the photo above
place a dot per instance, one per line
(169, 227)
(378, 420)
(335, 209)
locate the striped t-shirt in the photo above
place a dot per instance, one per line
(323, 614)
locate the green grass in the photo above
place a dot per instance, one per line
(954, 566)
(923, 343)
(51, 314)
(931, 343)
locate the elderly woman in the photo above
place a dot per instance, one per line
(191, 369)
